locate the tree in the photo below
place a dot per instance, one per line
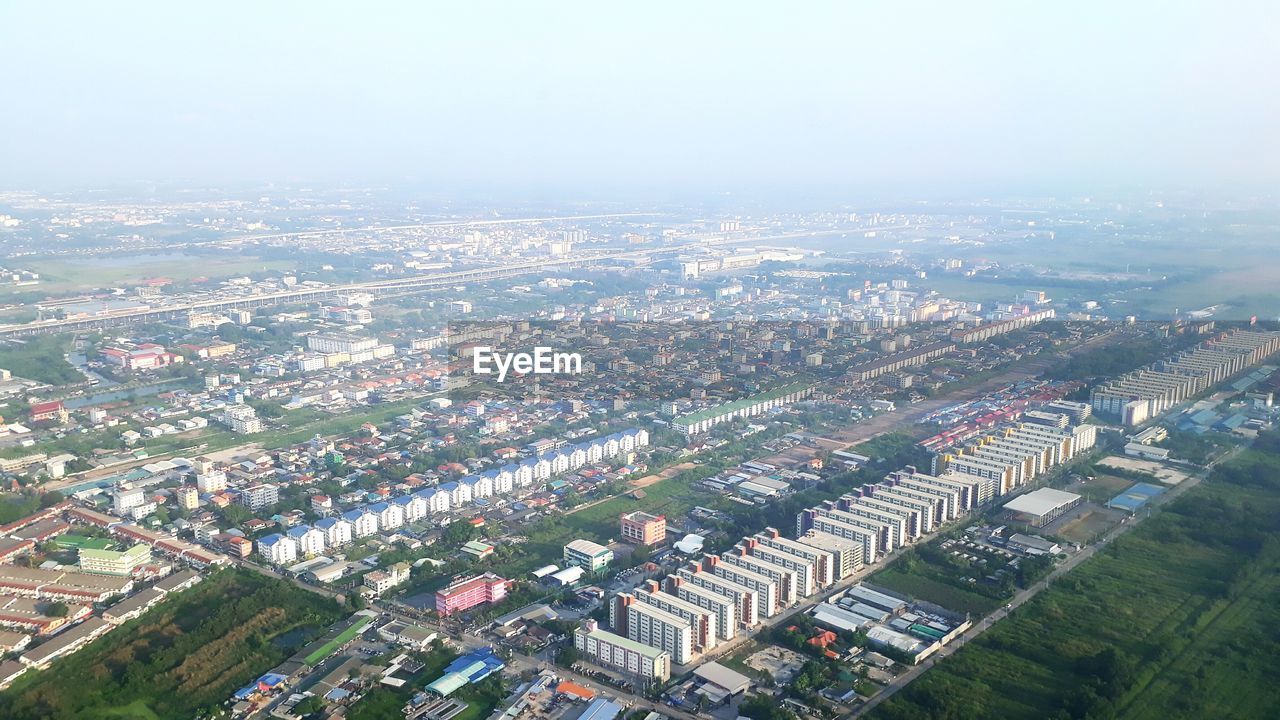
(236, 514)
(309, 706)
(567, 656)
(51, 498)
(57, 609)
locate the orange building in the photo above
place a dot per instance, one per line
(641, 528)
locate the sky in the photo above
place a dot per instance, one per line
(691, 97)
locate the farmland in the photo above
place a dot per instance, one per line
(1175, 620)
(185, 656)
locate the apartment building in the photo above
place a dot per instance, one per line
(623, 654)
(641, 528)
(652, 626)
(725, 608)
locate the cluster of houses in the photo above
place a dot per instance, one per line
(304, 540)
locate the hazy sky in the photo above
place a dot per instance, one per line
(692, 96)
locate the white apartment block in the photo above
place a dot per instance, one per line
(620, 653)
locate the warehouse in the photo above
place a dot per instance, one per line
(1041, 506)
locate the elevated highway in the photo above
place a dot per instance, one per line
(398, 286)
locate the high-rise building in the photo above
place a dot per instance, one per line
(654, 627)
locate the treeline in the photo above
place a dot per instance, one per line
(182, 658)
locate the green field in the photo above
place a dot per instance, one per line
(936, 591)
(182, 658)
(62, 275)
(1176, 619)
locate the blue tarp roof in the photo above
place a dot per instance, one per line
(1135, 497)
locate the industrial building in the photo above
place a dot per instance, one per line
(1042, 506)
(591, 557)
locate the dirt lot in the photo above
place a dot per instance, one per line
(1163, 472)
(1088, 524)
(670, 472)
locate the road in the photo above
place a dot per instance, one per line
(1022, 597)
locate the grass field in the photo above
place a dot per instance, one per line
(935, 591)
(1175, 620)
(181, 658)
(67, 274)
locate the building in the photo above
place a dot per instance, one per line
(380, 581)
(704, 420)
(653, 626)
(590, 556)
(1143, 394)
(339, 343)
(623, 654)
(65, 643)
(1040, 507)
(897, 361)
(241, 419)
(468, 593)
(188, 497)
(641, 528)
(1000, 327)
(52, 411)
(22, 613)
(132, 502)
(113, 562)
(310, 540)
(147, 356)
(704, 621)
(277, 549)
(259, 496)
(724, 607)
(66, 585)
(212, 481)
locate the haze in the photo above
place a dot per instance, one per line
(691, 98)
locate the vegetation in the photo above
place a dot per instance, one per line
(383, 701)
(1174, 620)
(1118, 358)
(13, 506)
(42, 358)
(931, 573)
(181, 659)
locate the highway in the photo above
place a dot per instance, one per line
(398, 285)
